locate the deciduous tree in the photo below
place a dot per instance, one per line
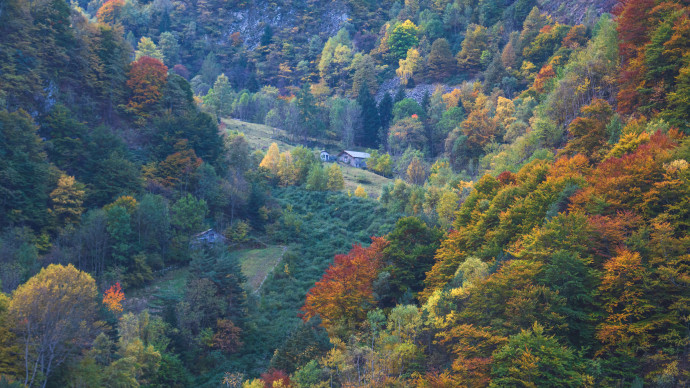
(270, 161)
(146, 48)
(146, 80)
(67, 199)
(440, 64)
(360, 192)
(533, 358)
(113, 297)
(409, 66)
(336, 182)
(10, 363)
(402, 38)
(365, 73)
(344, 294)
(227, 337)
(317, 180)
(475, 43)
(110, 11)
(416, 174)
(53, 316)
(408, 132)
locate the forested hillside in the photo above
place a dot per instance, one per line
(166, 219)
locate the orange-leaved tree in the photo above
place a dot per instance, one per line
(113, 297)
(275, 378)
(626, 303)
(228, 337)
(146, 80)
(110, 11)
(621, 184)
(177, 170)
(344, 294)
(589, 131)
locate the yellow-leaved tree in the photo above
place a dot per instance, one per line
(335, 178)
(67, 199)
(52, 315)
(448, 204)
(286, 169)
(360, 192)
(9, 361)
(409, 66)
(415, 172)
(270, 161)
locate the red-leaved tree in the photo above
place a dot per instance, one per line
(344, 294)
(273, 376)
(146, 80)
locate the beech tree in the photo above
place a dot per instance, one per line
(589, 130)
(227, 337)
(345, 119)
(317, 180)
(169, 48)
(336, 57)
(219, 99)
(10, 364)
(405, 133)
(110, 11)
(343, 295)
(286, 169)
(146, 80)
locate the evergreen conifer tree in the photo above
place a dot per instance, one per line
(386, 110)
(371, 122)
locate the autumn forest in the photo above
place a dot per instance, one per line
(347, 193)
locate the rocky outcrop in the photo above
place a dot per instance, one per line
(578, 11)
(251, 21)
(417, 93)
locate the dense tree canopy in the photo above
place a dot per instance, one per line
(172, 212)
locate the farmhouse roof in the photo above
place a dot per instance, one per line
(210, 232)
(357, 155)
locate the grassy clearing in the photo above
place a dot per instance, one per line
(170, 285)
(260, 137)
(372, 183)
(258, 263)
